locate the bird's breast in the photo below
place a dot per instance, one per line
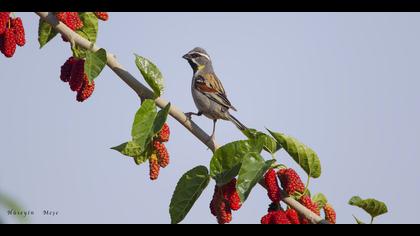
(209, 108)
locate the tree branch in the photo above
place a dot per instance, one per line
(145, 93)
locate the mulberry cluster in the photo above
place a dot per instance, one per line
(290, 181)
(12, 33)
(273, 189)
(102, 15)
(225, 200)
(159, 151)
(73, 72)
(293, 185)
(330, 214)
(71, 19)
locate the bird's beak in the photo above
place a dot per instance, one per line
(186, 56)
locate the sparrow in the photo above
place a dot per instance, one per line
(208, 93)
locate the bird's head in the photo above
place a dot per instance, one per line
(197, 58)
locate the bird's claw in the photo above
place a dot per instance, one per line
(189, 115)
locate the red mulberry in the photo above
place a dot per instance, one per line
(293, 216)
(9, 43)
(273, 189)
(66, 69)
(231, 195)
(290, 181)
(74, 18)
(77, 75)
(17, 26)
(162, 153)
(225, 199)
(224, 213)
(235, 201)
(61, 16)
(266, 220)
(4, 20)
(219, 207)
(312, 206)
(71, 19)
(86, 90)
(278, 217)
(308, 203)
(330, 214)
(102, 15)
(214, 201)
(164, 134)
(2, 43)
(154, 167)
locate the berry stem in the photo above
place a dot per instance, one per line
(278, 166)
(307, 185)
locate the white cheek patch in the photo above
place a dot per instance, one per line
(204, 55)
(194, 61)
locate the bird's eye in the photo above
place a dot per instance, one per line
(195, 55)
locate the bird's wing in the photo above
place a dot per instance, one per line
(210, 85)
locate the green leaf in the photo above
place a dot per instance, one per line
(161, 118)
(45, 33)
(151, 74)
(320, 200)
(372, 206)
(95, 63)
(145, 122)
(133, 150)
(359, 222)
(90, 26)
(130, 149)
(142, 131)
(270, 145)
(301, 153)
(187, 191)
(252, 170)
(226, 161)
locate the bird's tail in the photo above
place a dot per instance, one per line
(237, 122)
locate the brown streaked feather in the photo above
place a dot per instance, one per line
(215, 83)
(210, 86)
(204, 88)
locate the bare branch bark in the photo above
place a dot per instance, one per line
(145, 93)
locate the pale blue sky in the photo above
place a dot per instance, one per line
(346, 84)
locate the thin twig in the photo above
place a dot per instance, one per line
(145, 93)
